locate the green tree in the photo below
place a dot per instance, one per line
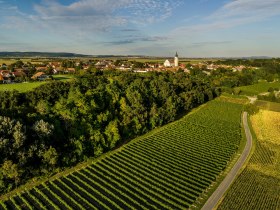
(112, 134)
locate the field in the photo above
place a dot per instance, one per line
(9, 61)
(272, 106)
(21, 87)
(173, 167)
(256, 89)
(25, 87)
(258, 186)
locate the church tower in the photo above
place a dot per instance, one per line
(176, 60)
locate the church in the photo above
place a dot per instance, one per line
(168, 63)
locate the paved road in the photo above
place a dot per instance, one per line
(220, 191)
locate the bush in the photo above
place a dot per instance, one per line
(251, 109)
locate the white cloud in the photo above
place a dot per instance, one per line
(232, 14)
(101, 15)
(257, 9)
(87, 18)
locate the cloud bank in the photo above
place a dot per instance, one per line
(90, 16)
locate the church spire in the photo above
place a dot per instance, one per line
(176, 60)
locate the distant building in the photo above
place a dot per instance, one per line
(1, 79)
(167, 63)
(39, 76)
(176, 60)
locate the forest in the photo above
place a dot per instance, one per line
(60, 124)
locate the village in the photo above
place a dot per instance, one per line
(41, 71)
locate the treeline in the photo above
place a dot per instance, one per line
(248, 62)
(60, 124)
(268, 69)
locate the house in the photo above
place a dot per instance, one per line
(40, 69)
(19, 74)
(4, 66)
(6, 76)
(5, 73)
(100, 64)
(70, 70)
(58, 70)
(1, 79)
(39, 76)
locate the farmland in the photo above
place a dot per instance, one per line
(258, 88)
(25, 87)
(9, 61)
(173, 167)
(272, 106)
(258, 186)
(21, 87)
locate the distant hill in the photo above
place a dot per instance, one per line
(41, 54)
(74, 55)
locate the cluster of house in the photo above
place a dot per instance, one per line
(215, 66)
(6, 76)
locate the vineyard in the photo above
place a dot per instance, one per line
(170, 168)
(272, 106)
(258, 186)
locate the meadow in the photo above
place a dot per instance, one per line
(28, 86)
(21, 87)
(258, 88)
(258, 186)
(173, 167)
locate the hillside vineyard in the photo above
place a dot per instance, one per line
(168, 169)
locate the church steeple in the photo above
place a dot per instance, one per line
(176, 60)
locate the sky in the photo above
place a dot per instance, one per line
(194, 28)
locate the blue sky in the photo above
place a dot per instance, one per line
(197, 28)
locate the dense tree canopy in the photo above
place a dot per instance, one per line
(60, 124)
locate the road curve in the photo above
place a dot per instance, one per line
(223, 187)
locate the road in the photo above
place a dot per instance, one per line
(224, 186)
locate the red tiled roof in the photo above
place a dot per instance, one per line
(19, 74)
(38, 74)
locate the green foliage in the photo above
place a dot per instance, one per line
(260, 87)
(171, 168)
(251, 108)
(62, 123)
